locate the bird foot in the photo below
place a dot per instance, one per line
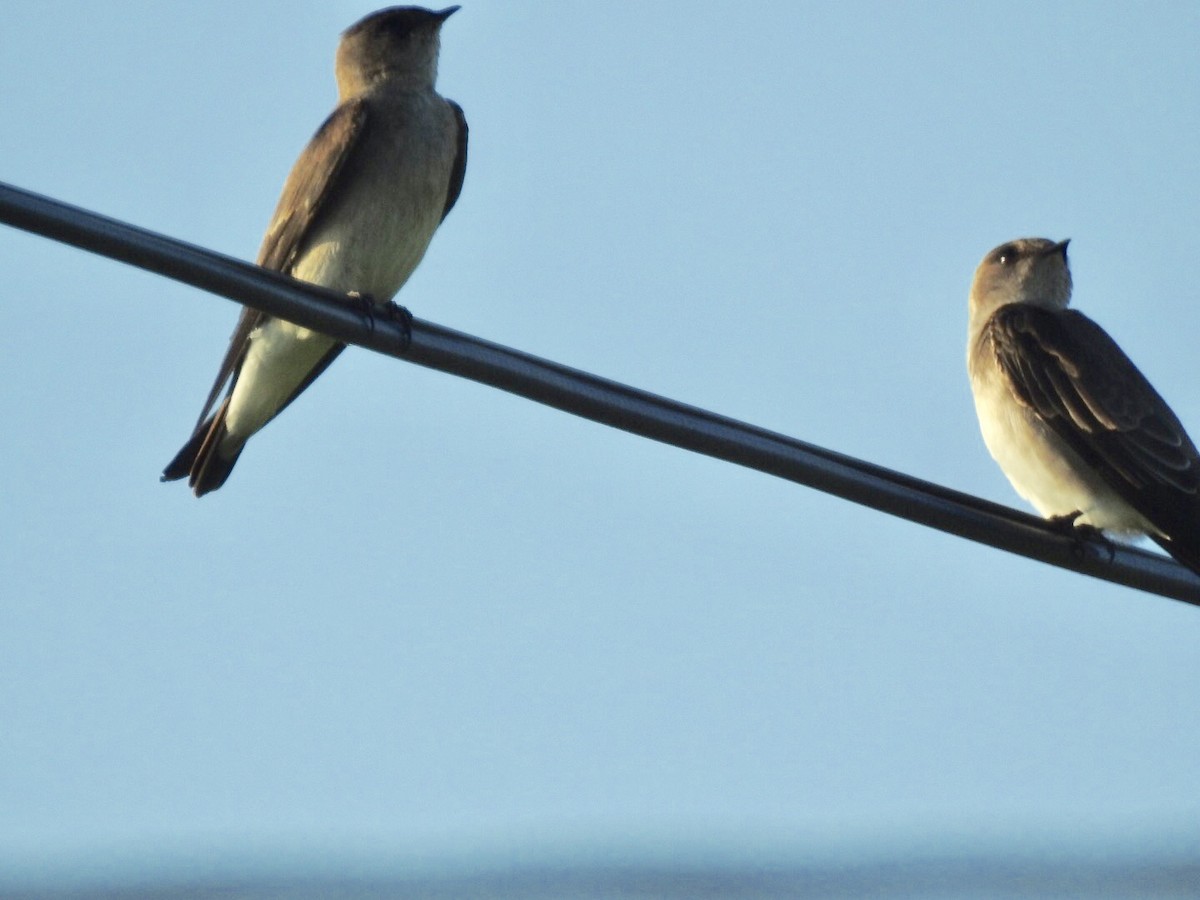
(389, 311)
(1082, 533)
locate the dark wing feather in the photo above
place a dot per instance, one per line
(232, 361)
(1066, 368)
(309, 184)
(301, 201)
(459, 170)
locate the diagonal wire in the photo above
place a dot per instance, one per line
(601, 400)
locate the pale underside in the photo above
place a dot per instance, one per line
(1041, 467)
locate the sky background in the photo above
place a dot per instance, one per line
(425, 620)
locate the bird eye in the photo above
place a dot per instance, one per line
(1006, 254)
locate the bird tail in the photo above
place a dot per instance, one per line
(208, 457)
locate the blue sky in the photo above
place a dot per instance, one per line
(425, 619)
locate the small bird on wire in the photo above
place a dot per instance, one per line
(1070, 419)
(356, 215)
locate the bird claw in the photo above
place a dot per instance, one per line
(1066, 523)
(389, 310)
(400, 316)
(1082, 534)
(365, 304)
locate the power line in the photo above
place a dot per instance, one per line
(608, 402)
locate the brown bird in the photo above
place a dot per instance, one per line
(1074, 425)
(356, 215)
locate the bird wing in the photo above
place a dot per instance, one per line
(459, 169)
(1066, 368)
(301, 202)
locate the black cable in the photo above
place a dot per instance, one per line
(601, 400)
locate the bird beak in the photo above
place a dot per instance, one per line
(447, 12)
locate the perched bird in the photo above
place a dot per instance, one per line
(1074, 425)
(356, 215)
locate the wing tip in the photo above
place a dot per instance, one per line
(206, 459)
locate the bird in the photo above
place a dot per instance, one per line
(356, 214)
(1071, 421)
